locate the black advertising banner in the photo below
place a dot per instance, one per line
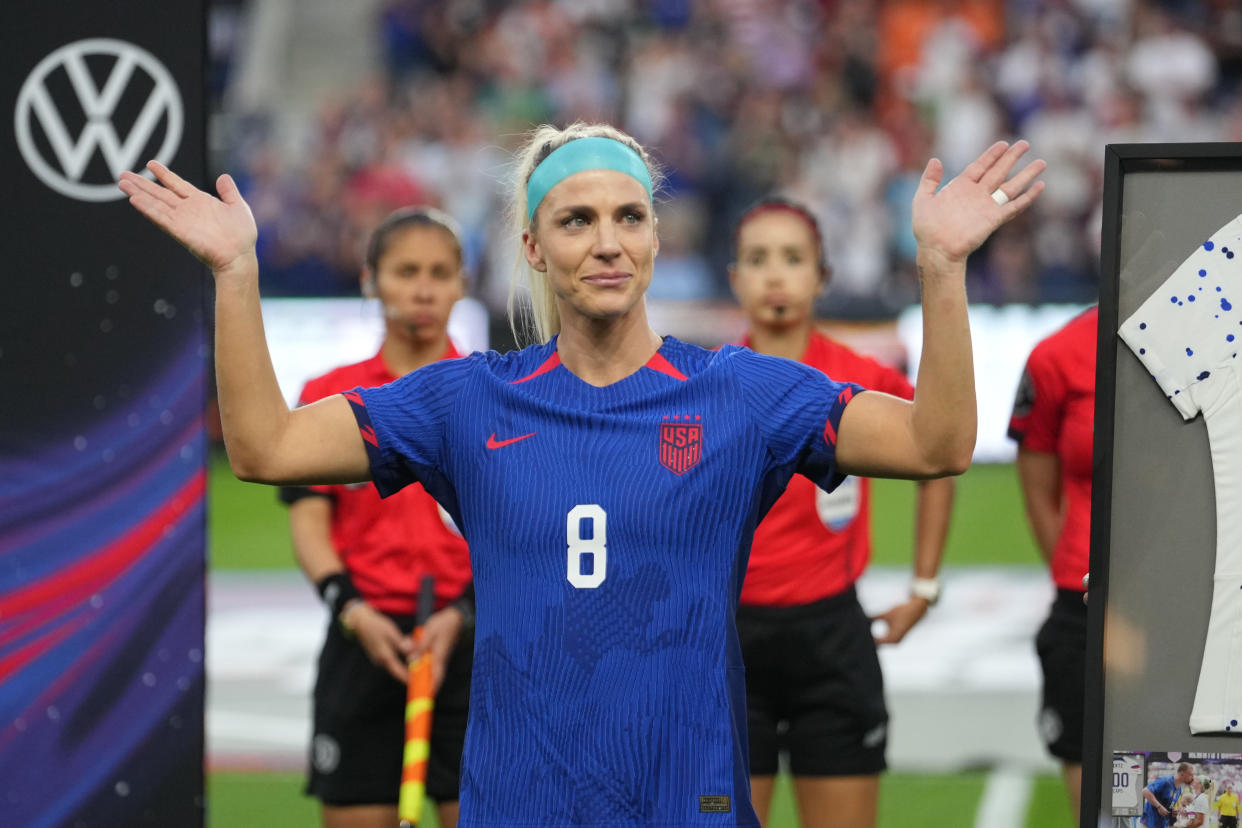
(103, 358)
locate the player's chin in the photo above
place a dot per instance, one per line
(610, 305)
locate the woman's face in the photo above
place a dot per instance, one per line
(777, 275)
(418, 279)
(594, 235)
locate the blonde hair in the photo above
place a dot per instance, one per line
(541, 319)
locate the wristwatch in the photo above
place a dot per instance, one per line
(926, 588)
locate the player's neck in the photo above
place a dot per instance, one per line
(603, 351)
(403, 355)
(790, 341)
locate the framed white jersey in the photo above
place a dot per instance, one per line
(1189, 335)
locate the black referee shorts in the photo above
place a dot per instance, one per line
(1062, 647)
(814, 689)
(359, 725)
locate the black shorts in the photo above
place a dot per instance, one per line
(814, 689)
(359, 725)
(1062, 648)
(1228, 821)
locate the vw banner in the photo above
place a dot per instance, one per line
(103, 359)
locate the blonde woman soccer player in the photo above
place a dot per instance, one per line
(608, 480)
(813, 684)
(1195, 812)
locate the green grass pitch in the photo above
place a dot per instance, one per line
(907, 800)
(248, 527)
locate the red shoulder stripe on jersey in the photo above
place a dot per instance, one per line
(830, 433)
(659, 363)
(548, 364)
(359, 407)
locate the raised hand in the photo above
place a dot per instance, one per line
(952, 222)
(220, 231)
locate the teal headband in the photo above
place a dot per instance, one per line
(583, 154)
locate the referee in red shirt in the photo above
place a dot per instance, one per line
(1053, 422)
(813, 683)
(368, 556)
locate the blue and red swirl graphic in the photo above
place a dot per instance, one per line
(102, 613)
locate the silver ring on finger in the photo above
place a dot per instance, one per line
(998, 195)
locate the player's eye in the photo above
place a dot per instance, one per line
(574, 220)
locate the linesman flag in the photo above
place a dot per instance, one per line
(419, 700)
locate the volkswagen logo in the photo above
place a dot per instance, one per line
(63, 161)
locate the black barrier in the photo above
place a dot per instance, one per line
(103, 355)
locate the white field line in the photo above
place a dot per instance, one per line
(1006, 797)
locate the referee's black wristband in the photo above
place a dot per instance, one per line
(465, 605)
(337, 590)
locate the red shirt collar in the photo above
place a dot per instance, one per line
(377, 367)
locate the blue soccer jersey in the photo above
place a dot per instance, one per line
(609, 530)
(1166, 791)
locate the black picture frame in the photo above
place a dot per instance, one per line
(1223, 162)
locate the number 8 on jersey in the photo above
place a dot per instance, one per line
(595, 546)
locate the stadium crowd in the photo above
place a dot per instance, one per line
(834, 102)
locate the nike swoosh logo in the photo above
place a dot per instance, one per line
(493, 443)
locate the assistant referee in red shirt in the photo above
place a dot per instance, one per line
(368, 556)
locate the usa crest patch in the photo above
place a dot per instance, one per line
(681, 446)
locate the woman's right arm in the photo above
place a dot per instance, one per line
(266, 442)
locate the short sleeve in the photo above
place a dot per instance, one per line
(797, 410)
(1035, 422)
(1190, 326)
(404, 424)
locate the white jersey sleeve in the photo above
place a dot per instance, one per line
(1192, 325)
(1188, 334)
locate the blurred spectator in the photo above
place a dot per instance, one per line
(835, 101)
